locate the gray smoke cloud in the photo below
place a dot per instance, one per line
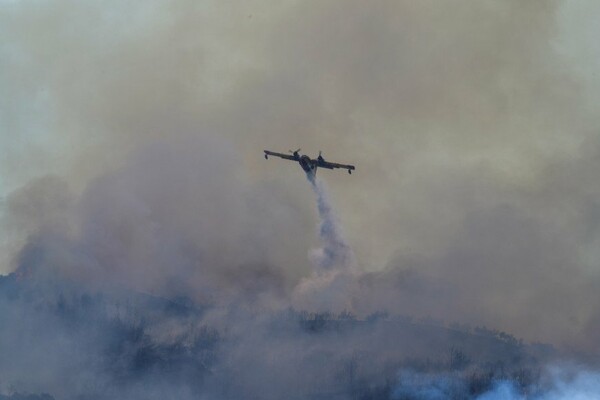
(131, 138)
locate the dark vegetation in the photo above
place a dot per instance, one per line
(20, 396)
(140, 344)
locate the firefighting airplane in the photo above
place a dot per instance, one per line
(309, 165)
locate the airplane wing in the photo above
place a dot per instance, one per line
(330, 165)
(273, 153)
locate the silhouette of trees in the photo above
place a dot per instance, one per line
(21, 396)
(458, 359)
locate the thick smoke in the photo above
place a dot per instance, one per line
(148, 243)
(132, 306)
(457, 114)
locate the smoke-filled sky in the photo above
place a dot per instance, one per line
(133, 132)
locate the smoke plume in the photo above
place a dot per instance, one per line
(148, 251)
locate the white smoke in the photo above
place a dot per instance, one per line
(573, 384)
(558, 383)
(504, 390)
(565, 385)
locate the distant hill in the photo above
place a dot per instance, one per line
(74, 342)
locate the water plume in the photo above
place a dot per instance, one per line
(335, 252)
(333, 281)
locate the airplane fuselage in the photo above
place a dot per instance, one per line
(307, 165)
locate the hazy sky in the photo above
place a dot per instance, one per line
(472, 125)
